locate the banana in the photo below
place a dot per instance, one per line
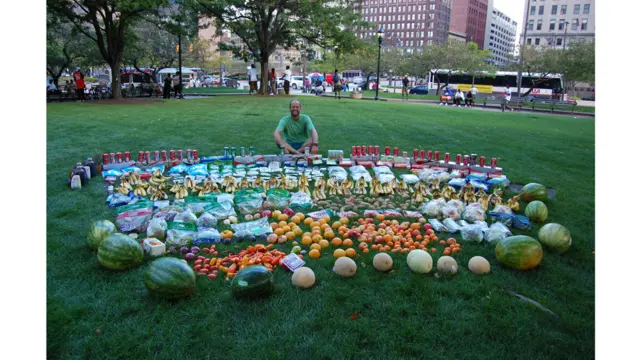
(122, 190)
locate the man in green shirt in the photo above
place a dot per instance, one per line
(298, 131)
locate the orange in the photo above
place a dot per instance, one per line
(282, 224)
(338, 253)
(336, 225)
(286, 228)
(336, 241)
(365, 250)
(292, 224)
(415, 226)
(297, 231)
(323, 243)
(283, 217)
(325, 218)
(290, 235)
(316, 246)
(295, 220)
(300, 216)
(433, 249)
(307, 234)
(279, 231)
(314, 254)
(316, 238)
(442, 242)
(276, 214)
(306, 240)
(387, 238)
(344, 220)
(314, 224)
(324, 226)
(328, 234)
(308, 221)
(347, 242)
(351, 252)
(274, 226)
(322, 221)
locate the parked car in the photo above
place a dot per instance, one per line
(297, 82)
(419, 90)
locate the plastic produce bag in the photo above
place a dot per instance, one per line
(391, 213)
(472, 233)
(157, 229)
(425, 174)
(437, 225)
(450, 212)
(187, 216)
(371, 213)
(348, 214)
(479, 185)
(196, 204)
(433, 208)
(410, 179)
(358, 172)
(207, 236)
(477, 176)
(198, 170)
(134, 217)
(451, 225)
(318, 214)
(462, 223)
(278, 198)
(457, 182)
(474, 212)
(412, 214)
(300, 200)
(502, 209)
(179, 169)
(385, 178)
(221, 210)
(249, 204)
(444, 177)
(458, 204)
(337, 172)
(255, 228)
(504, 218)
(379, 170)
(207, 220)
(180, 234)
(168, 213)
(497, 232)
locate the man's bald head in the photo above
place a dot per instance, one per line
(295, 107)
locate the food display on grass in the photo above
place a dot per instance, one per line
(243, 217)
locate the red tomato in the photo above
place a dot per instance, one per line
(198, 262)
(212, 276)
(197, 268)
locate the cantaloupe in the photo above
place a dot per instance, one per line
(447, 265)
(419, 261)
(345, 267)
(382, 262)
(303, 278)
(479, 265)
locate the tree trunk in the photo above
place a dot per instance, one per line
(473, 80)
(264, 77)
(116, 91)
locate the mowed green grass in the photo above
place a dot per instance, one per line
(401, 315)
(214, 90)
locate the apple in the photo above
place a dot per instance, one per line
(266, 213)
(288, 211)
(427, 227)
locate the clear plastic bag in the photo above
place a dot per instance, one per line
(472, 233)
(433, 208)
(474, 212)
(458, 204)
(255, 228)
(157, 229)
(497, 232)
(391, 213)
(437, 225)
(318, 214)
(358, 172)
(371, 213)
(337, 172)
(425, 174)
(221, 210)
(134, 217)
(457, 182)
(412, 214)
(502, 209)
(300, 200)
(444, 177)
(169, 213)
(451, 225)
(479, 185)
(410, 179)
(180, 234)
(207, 236)
(186, 216)
(379, 170)
(196, 204)
(207, 220)
(348, 214)
(249, 204)
(385, 178)
(278, 198)
(450, 212)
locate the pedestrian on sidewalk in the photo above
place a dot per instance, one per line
(166, 93)
(507, 99)
(337, 87)
(287, 79)
(273, 82)
(252, 75)
(78, 76)
(405, 87)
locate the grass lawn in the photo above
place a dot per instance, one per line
(214, 90)
(398, 95)
(401, 315)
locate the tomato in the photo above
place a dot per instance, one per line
(212, 276)
(197, 262)
(197, 268)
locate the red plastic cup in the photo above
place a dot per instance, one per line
(119, 157)
(458, 159)
(447, 157)
(172, 154)
(180, 155)
(436, 156)
(387, 150)
(429, 155)
(127, 156)
(482, 160)
(465, 160)
(140, 156)
(423, 154)
(370, 149)
(105, 159)
(415, 153)
(194, 153)
(494, 163)
(163, 153)
(396, 151)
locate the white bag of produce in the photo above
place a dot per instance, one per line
(157, 228)
(497, 232)
(474, 212)
(433, 208)
(472, 233)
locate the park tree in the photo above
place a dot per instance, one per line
(578, 64)
(151, 46)
(364, 58)
(475, 63)
(540, 60)
(106, 23)
(264, 25)
(64, 48)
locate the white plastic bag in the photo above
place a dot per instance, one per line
(157, 228)
(497, 232)
(474, 212)
(472, 233)
(433, 208)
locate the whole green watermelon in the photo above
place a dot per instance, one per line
(533, 191)
(252, 281)
(519, 252)
(170, 278)
(555, 237)
(120, 252)
(98, 231)
(537, 211)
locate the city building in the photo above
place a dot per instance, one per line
(408, 24)
(549, 23)
(500, 37)
(469, 18)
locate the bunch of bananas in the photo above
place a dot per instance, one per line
(332, 187)
(159, 195)
(484, 201)
(189, 183)
(244, 183)
(318, 190)
(157, 179)
(417, 197)
(179, 190)
(361, 186)
(514, 204)
(140, 191)
(258, 182)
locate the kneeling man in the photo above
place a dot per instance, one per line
(298, 131)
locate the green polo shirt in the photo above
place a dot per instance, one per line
(295, 131)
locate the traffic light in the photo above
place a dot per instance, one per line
(177, 48)
(190, 48)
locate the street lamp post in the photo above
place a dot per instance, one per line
(564, 40)
(524, 39)
(380, 35)
(180, 64)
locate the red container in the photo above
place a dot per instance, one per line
(429, 155)
(127, 156)
(156, 155)
(172, 154)
(105, 159)
(363, 150)
(494, 163)
(353, 150)
(396, 151)
(465, 160)
(194, 153)
(458, 159)
(376, 150)
(112, 158)
(180, 155)
(164, 155)
(415, 153)
(119, 157)
(387, 150)
(423, 154)
(189, 154)
(370, 149)
(436, 156)
(447, 157)
(482, 160)
(140, 156)
(147, 157)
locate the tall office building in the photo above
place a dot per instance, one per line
(408, 24)
(500, 37)
(549, 22)
(469, 20)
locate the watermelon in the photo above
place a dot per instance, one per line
(519, 252)
(555, 237)
(98, 231)
(170, 278)
(252, 281)
(532, 192)
(537, 211)
(120, 252)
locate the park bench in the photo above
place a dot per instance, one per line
(492, 100)
(554, 104)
